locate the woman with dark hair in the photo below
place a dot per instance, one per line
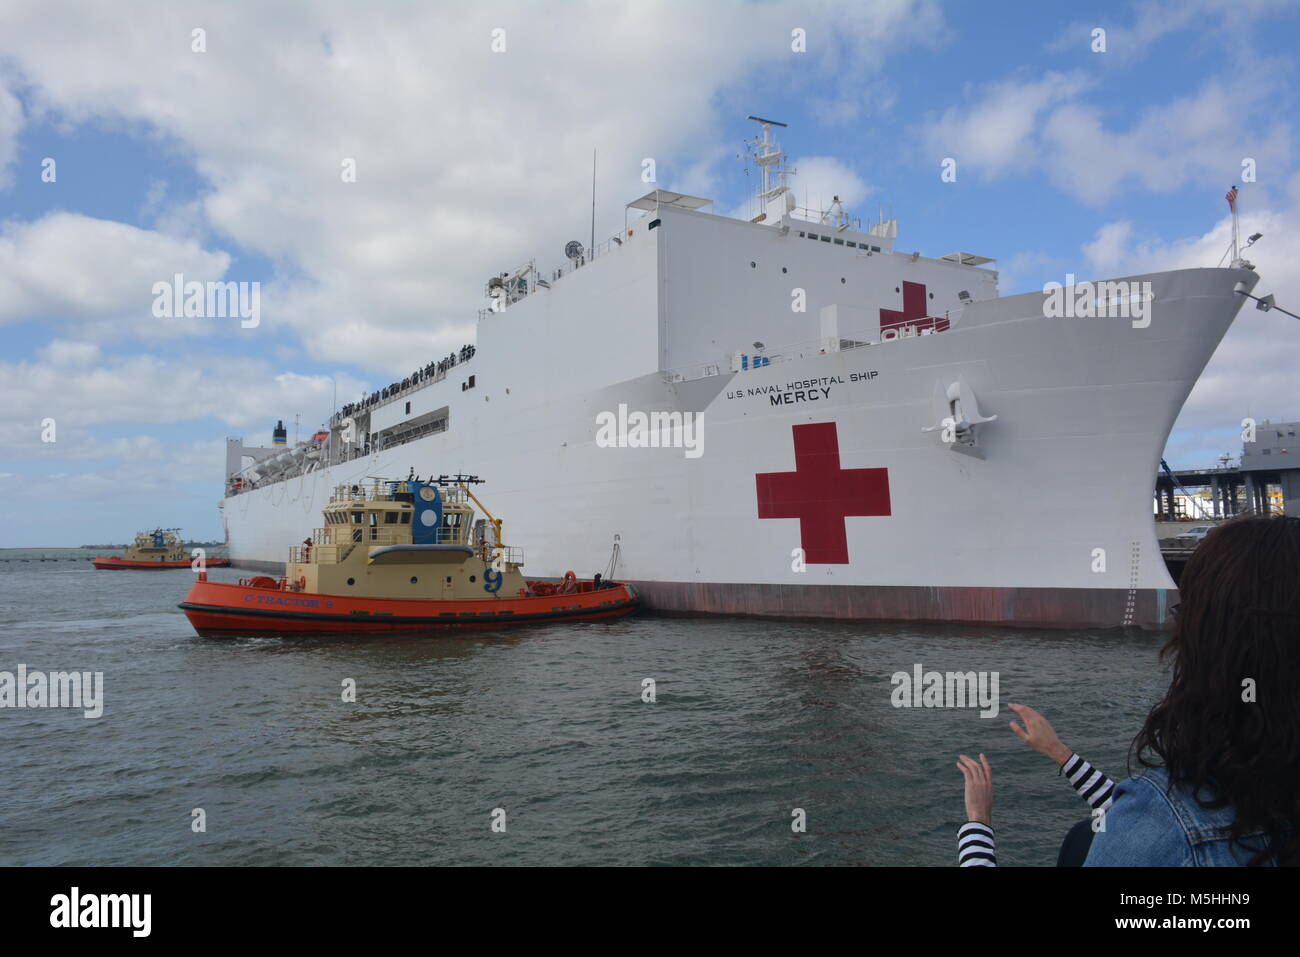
(1221, 750)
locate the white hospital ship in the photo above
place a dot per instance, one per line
(840, 429)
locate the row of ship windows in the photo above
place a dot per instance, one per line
(390, 518)
(839, 242)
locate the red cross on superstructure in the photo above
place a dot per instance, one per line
(821, 494)
(914, 308)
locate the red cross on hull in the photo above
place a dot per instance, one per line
(821, 494)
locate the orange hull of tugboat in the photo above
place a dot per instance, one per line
(261, 605)
(114, 562)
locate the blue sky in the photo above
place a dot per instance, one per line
(224, 163)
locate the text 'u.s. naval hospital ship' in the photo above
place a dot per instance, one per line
(917, 453)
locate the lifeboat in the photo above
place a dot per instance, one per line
(160, 548)
(401, 555)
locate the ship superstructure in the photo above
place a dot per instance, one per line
(873, 433)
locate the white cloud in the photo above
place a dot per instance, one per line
(1046, 125)
(821, 178)
(150, 484)
(996, 131)
(1253, 372)
(66, 265)
(1216, 22)
(11, 124)
(1201, 138)
(81, 389)
(1028, 271)
(468, 162)
(64, 353)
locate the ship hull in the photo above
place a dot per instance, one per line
(128, 564)
(1016, 607)
(218, 609)
(1050, 524)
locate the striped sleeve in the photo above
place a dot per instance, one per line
(1093, 786)
(975, 846)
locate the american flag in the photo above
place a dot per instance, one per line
(1231, 197)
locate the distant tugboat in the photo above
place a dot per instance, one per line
(401, 555)
(160, 548)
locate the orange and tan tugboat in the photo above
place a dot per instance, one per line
(401, 555)
(161, 548)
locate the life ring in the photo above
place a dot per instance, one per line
(570, 583)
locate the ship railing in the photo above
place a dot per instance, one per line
(511, 554)
(543, 280)
(423, 383)
(449, 535)
(351, 534)
(334, 542)
(454, 495)
(374, 490)
(379, 490)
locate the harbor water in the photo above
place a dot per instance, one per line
(543, 730)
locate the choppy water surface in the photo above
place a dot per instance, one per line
(752, 720)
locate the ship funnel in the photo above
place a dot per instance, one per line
(280, 435)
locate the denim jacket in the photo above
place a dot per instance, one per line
(1149, 826)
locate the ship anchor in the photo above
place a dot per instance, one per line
(959, 414)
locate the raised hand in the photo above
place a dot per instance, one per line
(979, 788)
(1038, 733)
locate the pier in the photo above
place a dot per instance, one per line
(1266, 481)
(1271, 461)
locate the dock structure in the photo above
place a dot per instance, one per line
(1271, 461)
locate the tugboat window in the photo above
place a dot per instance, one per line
(356, 518)
(352, 581)
(414, 580)
(390, 518)
(406, 518)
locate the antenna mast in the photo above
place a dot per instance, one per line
(1236, 236)
(767, 154)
